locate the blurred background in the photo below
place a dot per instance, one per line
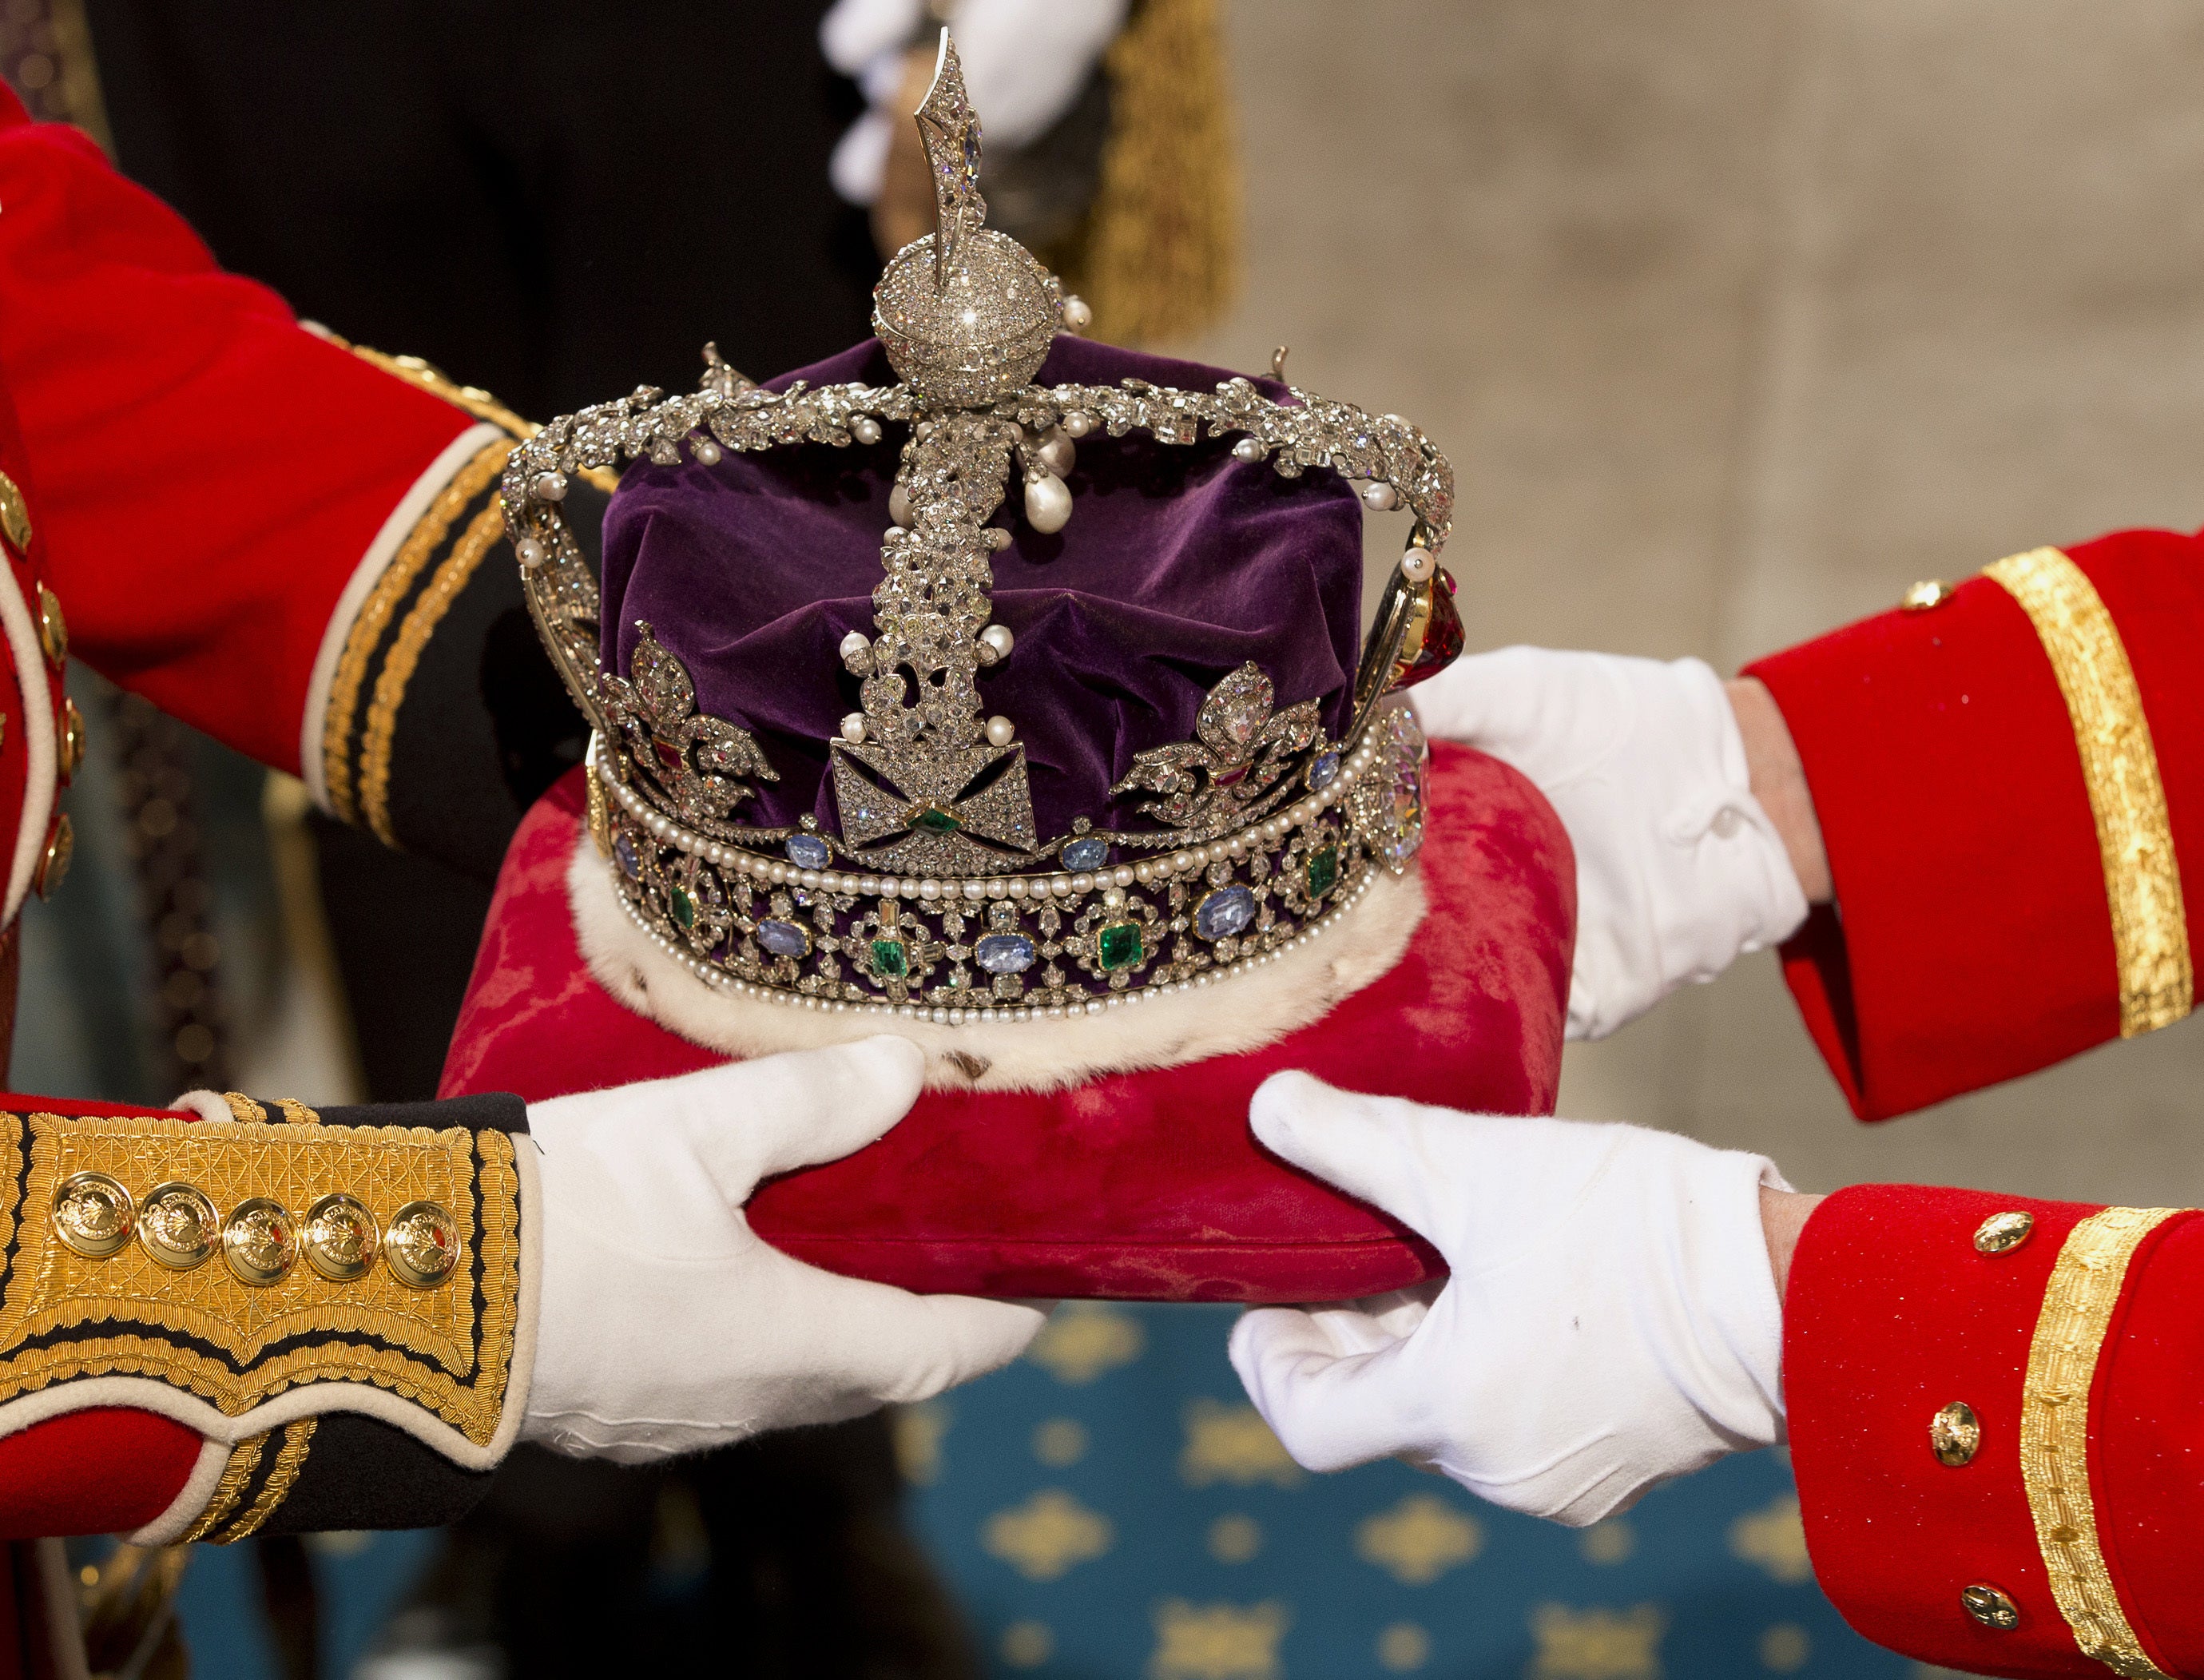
(1735, 317)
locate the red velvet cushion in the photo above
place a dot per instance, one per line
(1144, 1186)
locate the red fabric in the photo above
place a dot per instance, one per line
(107, 1470)
(19, 1102)
(1971, 940)
(2146, 1446)
(14, 743)
(1141, 1186)
(1891, 1314)
(208, 475)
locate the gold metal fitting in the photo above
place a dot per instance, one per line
(260, 1242)
(179, 1228)
(339, 1239)
(93, 1215)
(1989, 1607)
(1955, 1433)
(423, 1244)
(2002, 1232)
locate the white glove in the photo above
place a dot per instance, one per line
(1025, 63)
(1679, 872)
(667, 1325)
(1610, 1321)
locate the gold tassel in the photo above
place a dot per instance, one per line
(1161, 259)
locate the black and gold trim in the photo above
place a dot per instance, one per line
(445, 721)
(239, 1330)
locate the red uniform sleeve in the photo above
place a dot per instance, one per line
(1998, 1446)
(210, 475)
(2011, 788)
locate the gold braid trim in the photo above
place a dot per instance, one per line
(2119, 766)
(434, 1347)
(2054, 1430)
(405, 658)
(1162, 252)
(243, 1107)
(375, 614)
(236, 1476)
(290, 1459)
(297, 1112)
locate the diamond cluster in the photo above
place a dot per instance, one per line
(1019, 947)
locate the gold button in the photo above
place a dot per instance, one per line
(1955, 1433)
(2002, 1232)
(341, 1239)
(72, 741)
(14, 517)
(260, 1242)
(1992, 1608)
(178, 1226)
(93, 1215)
(423, 1244)
(54, 862)
(1928, 593)
(53, 629)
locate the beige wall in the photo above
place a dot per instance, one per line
(1736, 317)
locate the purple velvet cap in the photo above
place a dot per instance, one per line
(1180, 565)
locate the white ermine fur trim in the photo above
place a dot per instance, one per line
(1243, 1012)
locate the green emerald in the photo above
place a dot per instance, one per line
(935, 820)
(1118, 945)
(891, 961)
(1323, 871)
(683, 906)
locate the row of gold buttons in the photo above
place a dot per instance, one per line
(260, 1242)
(1955, 1433)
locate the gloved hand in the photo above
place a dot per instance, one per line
(1025, 63)
(1610, 1321)
(666, 1325)
(1679, 872)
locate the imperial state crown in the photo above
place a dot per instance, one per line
(1109, 781)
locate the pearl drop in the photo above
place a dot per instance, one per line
(1077, 314)
(1000, 731)
(1418, 564)
(1248, 450)
(1381, 497)
(549, 486)
(865, 428)
(856, 649)
(853, 728)
(1078, 423)
(1048, 503)
(900, 506)
(706, 452)
(998, 637)
(529, 551)
(1057, 452)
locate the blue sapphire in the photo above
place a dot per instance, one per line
(1090, 852)
(784, 938)
(1323, 771)
(1004, 953)
(631, 866)
(806, 851)
(1223, 913)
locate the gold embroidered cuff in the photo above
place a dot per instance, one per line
(382, 1255)
(2054, 1431)
(2119, 766)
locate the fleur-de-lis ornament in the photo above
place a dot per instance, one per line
(1240, 754)
(699, 763)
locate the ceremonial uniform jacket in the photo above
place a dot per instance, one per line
(255, 1318)
(1993, 1402)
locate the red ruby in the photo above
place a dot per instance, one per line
(1443, 640)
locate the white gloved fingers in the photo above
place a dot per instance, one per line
(1025, 61)
(854, 32)
(1329, 1412)
(889, 1346)
(747, 1120)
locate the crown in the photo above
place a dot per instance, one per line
(932, 890)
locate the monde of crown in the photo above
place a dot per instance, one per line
(934, 890)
